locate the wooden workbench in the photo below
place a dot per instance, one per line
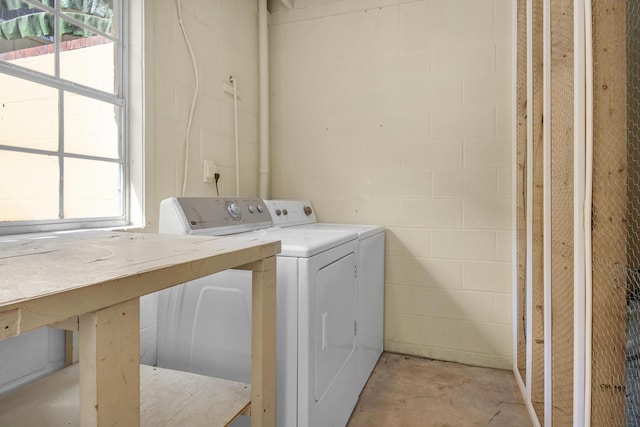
(91, 281)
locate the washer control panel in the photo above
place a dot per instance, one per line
(234, 210)
(212, 215)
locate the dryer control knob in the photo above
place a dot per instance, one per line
(259, 208)
(278, 212)
(307, 210)
(284, 211)
(233, 210)
(251, 209)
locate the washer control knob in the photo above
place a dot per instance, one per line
(278, 212)
(233, 210)
(251, 209)
(259, 208)
(307, 210)
(284, 211)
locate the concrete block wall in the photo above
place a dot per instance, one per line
(224, 38)
(399, 113)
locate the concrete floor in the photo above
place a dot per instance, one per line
(411, 391)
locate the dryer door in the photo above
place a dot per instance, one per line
(327, 375)
(335, 317)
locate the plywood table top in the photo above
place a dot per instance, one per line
(94, 269)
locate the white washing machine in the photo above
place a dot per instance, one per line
(204, 327)
(299, 214)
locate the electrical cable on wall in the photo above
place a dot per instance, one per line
(193, 101)
(232, 80)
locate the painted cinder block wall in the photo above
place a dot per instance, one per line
(399, 113)
(224, 38)
(392, 112)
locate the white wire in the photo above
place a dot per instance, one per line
(514, 189)
(587, 209)
(193, 101)
(529, 205)
(547, 206)
(263, 66)
(579, 191)
(235, 127)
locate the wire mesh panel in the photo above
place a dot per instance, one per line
(632, 395)
(615, 219)
(613, 398)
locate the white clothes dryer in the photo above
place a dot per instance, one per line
(299, 214)
(204, 327)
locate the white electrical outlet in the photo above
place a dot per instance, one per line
(210, 169)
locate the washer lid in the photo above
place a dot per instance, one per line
(304, 243)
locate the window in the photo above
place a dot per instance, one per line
(63, 150)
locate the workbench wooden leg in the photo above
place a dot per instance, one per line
(263, 343)
(68, 348)
(110, 366)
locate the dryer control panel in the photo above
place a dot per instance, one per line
(286, 213)
(212, 215)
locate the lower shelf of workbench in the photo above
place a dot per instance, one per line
(167, 398)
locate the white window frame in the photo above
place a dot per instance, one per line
(120, 99)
